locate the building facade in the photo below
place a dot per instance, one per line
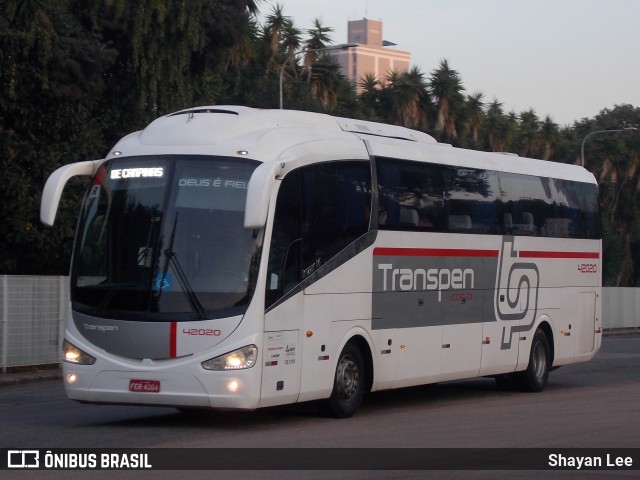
(372, 54)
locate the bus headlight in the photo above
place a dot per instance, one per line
(72, 354)
(239, 359)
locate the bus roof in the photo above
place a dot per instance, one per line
(288, 135)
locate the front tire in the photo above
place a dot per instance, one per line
(534, 378)
(348, 383)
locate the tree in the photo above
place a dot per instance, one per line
(274, 30)
(407, 96)
(549, 137)
(51, 72)
(369, 97)
(446, 87)
(474, 116)
(615, 160)
(78, 74)
(148, 77)
(292, 43)
(497, 128)
(318, 39)
(528, 134)
(327, 82)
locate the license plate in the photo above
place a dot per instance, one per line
(144, 386)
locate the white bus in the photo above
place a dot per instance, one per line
(236, 258)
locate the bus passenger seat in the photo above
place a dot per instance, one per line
(527, 222)
(460, 223)
(408, 217)
(508, 223)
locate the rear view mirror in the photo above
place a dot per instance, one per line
(258, 193)
(55, 185)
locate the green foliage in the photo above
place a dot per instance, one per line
(614, 158)
(51, 72)
(76, 75)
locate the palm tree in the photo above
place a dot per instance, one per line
(406, 93)
(549, 137)
(291, 43)
(368, 83)
(244, 50)
(275, 25)
(370, 90)
(529, 134)
(498, 127)
(446, 86)
(474, 113)
(318, 39)
(327, 81)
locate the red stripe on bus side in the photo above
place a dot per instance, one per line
(433, 252)
(534, 254)
(173, 340)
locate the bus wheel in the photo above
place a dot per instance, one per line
(534, 378)
(348, 383)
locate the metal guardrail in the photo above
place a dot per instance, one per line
(34, 308)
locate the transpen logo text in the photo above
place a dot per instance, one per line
(407, 279)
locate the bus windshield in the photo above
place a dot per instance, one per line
(163, 238)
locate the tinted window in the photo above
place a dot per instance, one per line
(528, 203)
(163, 238)
(320, 210)
(410, 196)
(541, 206)
(472, 200)
(575, 212)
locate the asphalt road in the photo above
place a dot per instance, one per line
(593, 405)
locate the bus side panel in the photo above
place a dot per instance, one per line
(586, 324)
(329, 322)
(460, 351)
(567, 296)
(281, 353)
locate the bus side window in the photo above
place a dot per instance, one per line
(575, 212)
(472, 198)
(336, 211)
(410, 195)
(320, 210)
(284, 269)
(541, 206)
(527, 202)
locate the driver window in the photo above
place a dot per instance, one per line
(320, 210)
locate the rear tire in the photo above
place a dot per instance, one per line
(348, 383)
(534, 378)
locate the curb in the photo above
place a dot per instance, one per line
(10, 378)
(613, 332)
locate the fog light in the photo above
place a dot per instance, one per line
(233, 386)
(71, 378)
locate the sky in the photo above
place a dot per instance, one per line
(567, 59)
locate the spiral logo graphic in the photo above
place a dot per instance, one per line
(517, 287)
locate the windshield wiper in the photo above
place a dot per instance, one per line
(114, 289)
(172, 258)
(186, 286)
